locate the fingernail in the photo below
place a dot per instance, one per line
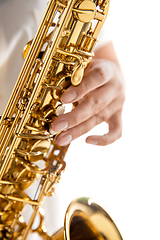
(60, 126)
(69, 96)
(65, 140)
(92, 141)
(52, 132)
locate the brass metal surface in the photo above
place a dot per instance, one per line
(54, 59)
(87, 220)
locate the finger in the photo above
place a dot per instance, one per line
(115, 106)
(69, 135)
(115, 132)
(94, 78)
(94, 62)
(94, 103)
(104, 116)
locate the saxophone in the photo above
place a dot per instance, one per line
(54, 59)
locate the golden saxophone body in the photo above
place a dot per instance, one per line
(54, 59)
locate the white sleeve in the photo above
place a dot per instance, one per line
(19, 20)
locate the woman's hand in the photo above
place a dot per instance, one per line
(100, 98)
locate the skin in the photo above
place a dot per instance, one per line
(100, 95)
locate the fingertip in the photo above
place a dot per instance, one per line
(92, 141)
(103, 140)
(69, 96)
(64, 139)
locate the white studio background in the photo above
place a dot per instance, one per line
(124, 176)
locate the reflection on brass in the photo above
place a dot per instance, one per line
(87, 220)
(54, 60)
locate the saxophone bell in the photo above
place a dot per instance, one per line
(87, 220)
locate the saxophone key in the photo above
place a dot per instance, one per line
(77, 75)
(31, 156)
(85, 11)
(34, 136)
(44, 84)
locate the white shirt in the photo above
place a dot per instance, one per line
(19, 20)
